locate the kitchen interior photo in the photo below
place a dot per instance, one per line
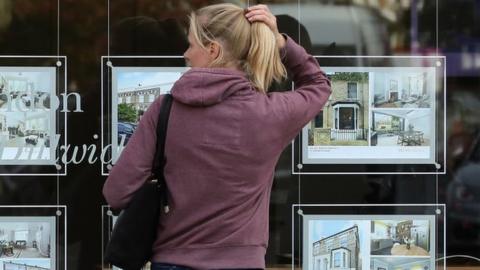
(400, 237)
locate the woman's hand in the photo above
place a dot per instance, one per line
(261, 13)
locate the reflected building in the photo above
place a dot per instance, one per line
(339, 251)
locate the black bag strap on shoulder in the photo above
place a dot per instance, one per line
(159, 160)
(129, 248)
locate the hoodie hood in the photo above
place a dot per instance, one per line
(209, 86)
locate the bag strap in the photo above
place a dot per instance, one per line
(159, 160)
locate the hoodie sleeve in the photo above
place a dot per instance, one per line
(312, 89)
(134, 166)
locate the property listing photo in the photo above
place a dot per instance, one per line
(405, 263)
(35, 264)
(403, 89)
(25, 240)
(25, 90)
(397, 127)
(135, 90)
(400, 238)
(344, 119)
(335, 244)
(25, 129)
(25, 115)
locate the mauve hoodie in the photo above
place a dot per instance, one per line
(223, 142)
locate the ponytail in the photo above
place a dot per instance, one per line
(263, 57)
(250, 46)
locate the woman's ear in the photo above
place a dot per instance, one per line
(214, 50)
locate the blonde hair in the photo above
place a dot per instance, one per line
(250, 46)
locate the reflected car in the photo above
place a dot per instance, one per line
(125, 129)
(31, 139)
(357, 30)
(463, 198)
(133, 125)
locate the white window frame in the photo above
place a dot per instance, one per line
(335, 253)
(344, 258)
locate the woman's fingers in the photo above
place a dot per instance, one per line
(258, 12)
(261, 13)
(256, 7)
(260, 17)
(259, 9)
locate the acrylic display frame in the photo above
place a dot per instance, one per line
(133, 64)
(379, 165)
(55, 215)
(304, 214)
(57, 118)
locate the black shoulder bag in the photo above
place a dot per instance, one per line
(133, 235)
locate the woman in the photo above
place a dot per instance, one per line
(225, 136)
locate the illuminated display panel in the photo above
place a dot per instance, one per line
(377, 115)
(360, 241)
(385, 115)
(27, 242)
(130, 84)
(134, 89)
(27, 115)
(365, 236)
